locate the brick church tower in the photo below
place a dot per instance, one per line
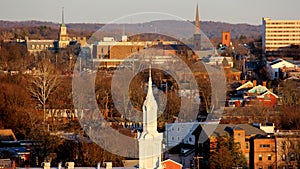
(226, 38)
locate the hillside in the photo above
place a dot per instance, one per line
(210, 28)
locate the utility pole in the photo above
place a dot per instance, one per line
(197, 159)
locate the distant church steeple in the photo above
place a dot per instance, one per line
(63, 38)
(150, 141)
(197, 21)
(197, 35)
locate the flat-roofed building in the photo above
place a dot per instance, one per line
(262, 153)
(277, 35)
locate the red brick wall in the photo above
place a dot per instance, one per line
(226, 38)
(171, 165)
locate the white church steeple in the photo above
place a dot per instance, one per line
(150, 109)
(150, 141)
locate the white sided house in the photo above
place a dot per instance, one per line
(279, 64)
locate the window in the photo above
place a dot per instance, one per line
(292, 157)
(259, 167)
(247, 145)
(270, 167)
(269, 157)
(264, 145)
(260, 157)
(283, 157)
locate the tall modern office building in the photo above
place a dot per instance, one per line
(279, 35)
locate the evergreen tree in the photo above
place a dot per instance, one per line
(227, 154)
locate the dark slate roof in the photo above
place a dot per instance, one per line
(222, 129)
(177, 149)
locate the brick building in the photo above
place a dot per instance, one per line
(226, 38)
(262, 153)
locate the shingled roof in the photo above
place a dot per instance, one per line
(222, 129)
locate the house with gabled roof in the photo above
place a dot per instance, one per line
(241, 133)
(278, 64)
(268, 99)
(261, 95)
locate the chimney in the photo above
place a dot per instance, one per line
(265, 83)
(254, 83)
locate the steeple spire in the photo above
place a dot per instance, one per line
(150, 97)
(197, 21)
(150, 109)
(62, 16)
(197, 34)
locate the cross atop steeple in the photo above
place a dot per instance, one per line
(197, 21)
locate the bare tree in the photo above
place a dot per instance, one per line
(43, 84)
(287, 149)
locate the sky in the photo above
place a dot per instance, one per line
(107, 11)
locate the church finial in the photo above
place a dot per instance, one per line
(197, 21)
(150, 81)
(150, 71)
